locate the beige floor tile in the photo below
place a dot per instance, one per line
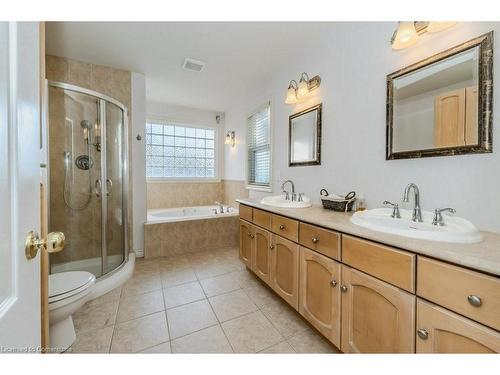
(262, 296)
(95, 314)
(309, 341)
(189, 318)
(112, 295)
(285, 319)
(132, 307)
(139, 334)
(146, 265)
(95, 341)
(245, 278)
(251, 333)
(232, 305)
(139, 284)
(177, 277)
(219, 285)
(159, 349)
(213, 269)
(281, 348)
(183, 294)
(209, 340)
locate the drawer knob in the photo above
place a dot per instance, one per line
(422, 333)
(315, 240)
(333, 283)
(271, 246)
(252, 236)
(474, 300)
(343, 288)
(249, 234)
(282, 227)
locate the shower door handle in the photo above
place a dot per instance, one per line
(98, 187)
(109, 186)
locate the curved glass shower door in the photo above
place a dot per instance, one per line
(87, 169)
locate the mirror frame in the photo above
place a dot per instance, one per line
(317, 161)
(485, 102)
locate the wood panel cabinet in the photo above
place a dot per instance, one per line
(285, 269)
(246, 241)
(319, 293)
(441, 331)
(376, 316)
(261, 260)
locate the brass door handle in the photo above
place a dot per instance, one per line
(53, 243)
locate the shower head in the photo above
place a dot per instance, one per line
(85, 124)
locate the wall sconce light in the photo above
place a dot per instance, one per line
(230, 138)
(408, 32)
(297, 92)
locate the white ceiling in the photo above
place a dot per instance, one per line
(238, 56)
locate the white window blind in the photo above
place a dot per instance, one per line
(259, 147)
(177, 151)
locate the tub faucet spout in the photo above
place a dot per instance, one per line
(221, 207)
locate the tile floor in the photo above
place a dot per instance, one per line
(199, 303)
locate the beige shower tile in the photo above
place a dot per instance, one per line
(79, 73)
(309, 341)
(138, 334)
(232, 305)
(56, 68)
(219, 285)
(135, 306)
(95, 315)
(189, 318)
(209, 340)
(183, 294)
(94, 341)
(285, 319)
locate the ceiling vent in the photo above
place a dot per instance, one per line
(192, 64)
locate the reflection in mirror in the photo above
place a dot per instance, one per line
(434, 105)
(305, 137)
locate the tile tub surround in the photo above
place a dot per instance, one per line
(183, 237)
(239, 314)
(483, 256)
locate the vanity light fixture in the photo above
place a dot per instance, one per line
(297, 92)
(230, 138)
(408, 32)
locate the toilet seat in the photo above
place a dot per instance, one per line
(64, 285)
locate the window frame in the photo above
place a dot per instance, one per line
(249, 186)
(188, 124)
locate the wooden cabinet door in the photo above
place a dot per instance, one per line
(449, 119)
(261, 262)
(441, 331)
(319, 293)
(246, 240)
(376, 316)
(285, 270)
(471, 116)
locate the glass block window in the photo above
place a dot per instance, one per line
(179, 151)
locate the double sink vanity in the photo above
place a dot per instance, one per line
(369, 284)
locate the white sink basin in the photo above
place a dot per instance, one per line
(280, 201)
(456, 230)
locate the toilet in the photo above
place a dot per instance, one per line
(68, 291)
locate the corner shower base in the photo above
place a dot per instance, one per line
(92, 265)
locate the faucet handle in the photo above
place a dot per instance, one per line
(299, 199)
(395, 212)
(438, 217)
(287, 195)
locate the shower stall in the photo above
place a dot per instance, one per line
(88, 179)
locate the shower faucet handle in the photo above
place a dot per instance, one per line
(98, 187)
(109, 186)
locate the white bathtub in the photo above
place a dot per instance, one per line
(167, 215)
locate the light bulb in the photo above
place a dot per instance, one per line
(406, 35)
(437, 26)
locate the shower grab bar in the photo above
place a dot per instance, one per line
(109, 186)
(98, 187)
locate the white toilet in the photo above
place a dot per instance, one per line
(68, 291)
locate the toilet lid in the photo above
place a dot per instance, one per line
(65, 282)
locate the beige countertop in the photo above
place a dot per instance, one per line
(482, 256)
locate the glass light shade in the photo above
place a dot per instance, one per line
(437, 26)
(291, 96)
(406, 35)
(303, 89)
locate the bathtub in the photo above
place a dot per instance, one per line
(168, 215)
(183, 230)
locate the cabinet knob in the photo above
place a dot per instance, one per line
(343, 288)
(333, 283)
(252, 236)
(249, 234)
(315, 240)
(422, 333)
(271, 246)
(474, 300)
(282, 227)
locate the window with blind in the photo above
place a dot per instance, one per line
(259, 148)
(180, 151)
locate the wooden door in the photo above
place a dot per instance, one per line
(442, 331)
(285, 270)
(449, 119)
(319, 293)
(376, 316)
(261, 262)
(471, 116)
(246, 240)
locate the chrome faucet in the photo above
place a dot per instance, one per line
(438, 217)
(221, 207)
(287, 195)
(417, 212)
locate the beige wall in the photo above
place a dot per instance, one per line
(186, 194)
(82, 227)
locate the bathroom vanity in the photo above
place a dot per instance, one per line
(371, 292)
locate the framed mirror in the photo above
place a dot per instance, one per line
(305, 137)
(442, 105)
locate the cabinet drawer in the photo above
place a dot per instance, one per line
(262, 218)
(246, 212)
(321, 240)
(285, 227)
(394, 266)
(466, 292)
